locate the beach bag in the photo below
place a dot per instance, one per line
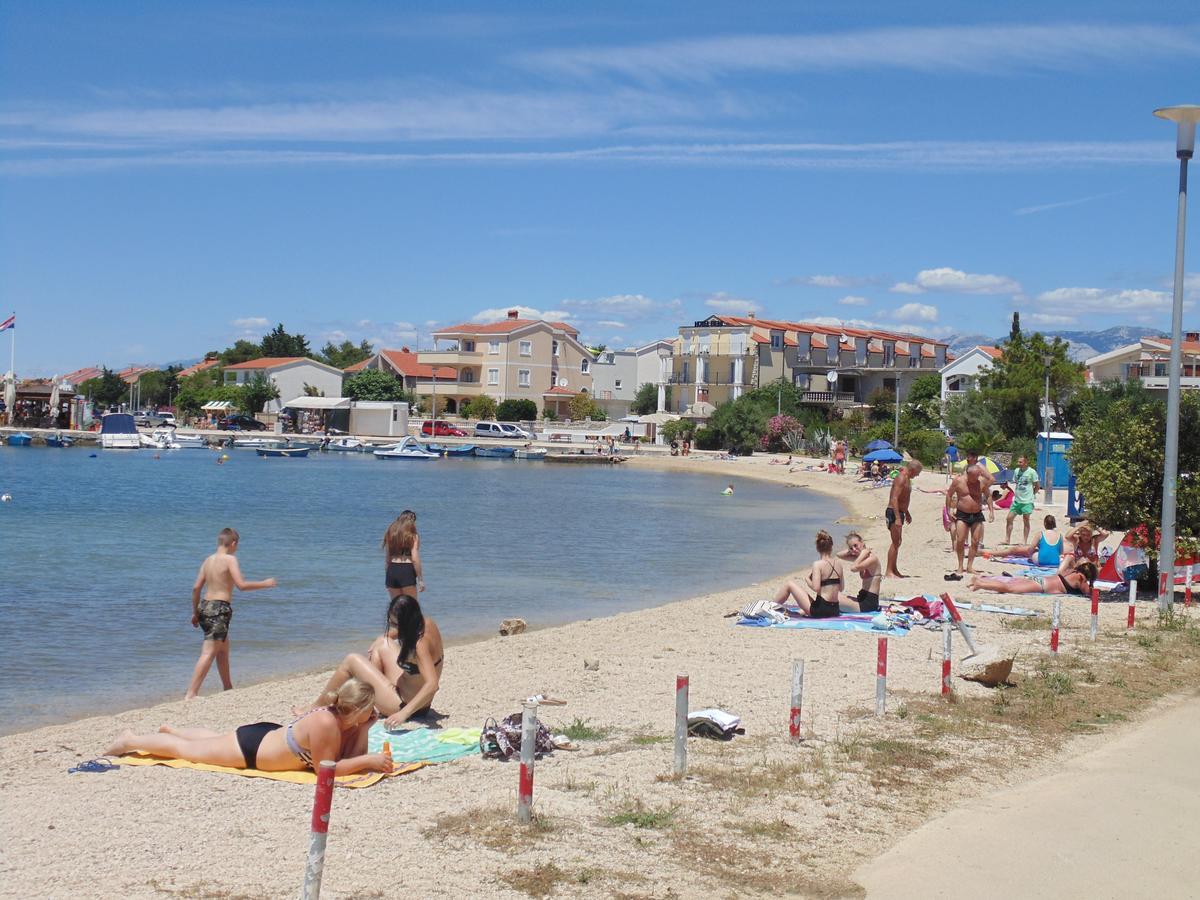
(766, 610)
(502, 740)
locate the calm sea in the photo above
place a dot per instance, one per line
(98, 555)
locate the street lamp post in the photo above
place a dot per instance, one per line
(1185, 118)
(1047, 361)
(896, 425)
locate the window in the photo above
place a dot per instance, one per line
(584, 366)
(776, 340)
(554, 348)
(493, 376)
(468, 346)
(467, 376)
(527, 348)
(889, 355)
(1160, 370)
(493, 347)
(523, 377)
(732, 371)
(553, 379)
(617, 384)
(684, 378)
(913, 361)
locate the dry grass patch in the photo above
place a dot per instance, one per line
(1026, 623)
(496, 828)
(726, 864)
(637, 814)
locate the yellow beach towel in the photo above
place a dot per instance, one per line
(364, 779)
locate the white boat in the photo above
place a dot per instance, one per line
(346, 445)
(117, 432)
(166, 438)
(258, 442)
(408, 448)
(189, 441)
(530, 453)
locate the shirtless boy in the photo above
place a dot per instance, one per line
(219, 575)
(965, 497)
(897, 514)
(862, 560)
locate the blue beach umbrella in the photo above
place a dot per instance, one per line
(878, 445)
(885, 455)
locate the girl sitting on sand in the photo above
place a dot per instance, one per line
(403, 665)
(818, 597)
(402, 545)
(335, 732)
(1075, 581)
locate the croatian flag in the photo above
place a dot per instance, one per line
(10, 322)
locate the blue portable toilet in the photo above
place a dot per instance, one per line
(1056, 471)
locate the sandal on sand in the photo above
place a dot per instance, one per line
(953, 576)
(94, 766)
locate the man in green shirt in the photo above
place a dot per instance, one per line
(1025, 485)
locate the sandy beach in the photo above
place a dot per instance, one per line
(756, 815)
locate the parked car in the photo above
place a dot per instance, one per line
(240, 423)
(505, 430)
(441, 428)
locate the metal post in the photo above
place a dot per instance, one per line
(1095, 612)
(881, 677)
(896, 428)
(945, 657)
(1166, 554)
(1132, 604)
(1054, 624)
(681, 717)
(315, 866)
(797, 698)
(1047, 475)
(529, 722)
(1187, 586)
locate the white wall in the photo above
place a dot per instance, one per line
(376, 417)
(290, 381)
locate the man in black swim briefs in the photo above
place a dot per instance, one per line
(966, 496)
(896, 515)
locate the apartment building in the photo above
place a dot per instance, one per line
(719, 358)
(404, 365)
(962, 374)
(291, 375)
(1147, 362)
(513, 359)
(617, 375)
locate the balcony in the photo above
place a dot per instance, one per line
(1160, 383)
(827, 398)
(450, 357)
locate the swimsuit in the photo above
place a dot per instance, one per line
(868, 601)
(822, 608)
(974, 518)
(1067, 588)
(889, 515)
(249, 737)
(1049, 554)
(401, 575)
(214, 618)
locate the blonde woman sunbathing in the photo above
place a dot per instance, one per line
(336, 732)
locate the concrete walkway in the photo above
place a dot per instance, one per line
(1117, 821)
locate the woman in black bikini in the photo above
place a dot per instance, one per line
(404, 664)
(1076, 581)
(337, 732)
(402, 545)
(826, 581)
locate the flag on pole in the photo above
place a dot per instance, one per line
(10, 322)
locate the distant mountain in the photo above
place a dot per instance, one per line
(1083, 344)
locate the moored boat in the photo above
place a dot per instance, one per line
(495, 452)
(345, 445)
(530, 453)
(258, 442)
(409, 448)
(19, 439)
(59, 440)
(118, 432)
(451, 450)
(288, 452)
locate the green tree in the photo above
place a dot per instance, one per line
(924, 400)
(278, 342)
(516, 411)
(742, 425)
(345, 354)
(482, 407)
(158, 388)
(972, 413)
(645, 401)
(582, 406)
(256, 393)
(106, 390)
(374, 384)
(678, 430)
(241, 351)
(882, 404)
(1015, 383)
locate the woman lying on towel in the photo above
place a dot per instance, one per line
(404, 664)
(1075, 581)
(336, 732)
(818, 595)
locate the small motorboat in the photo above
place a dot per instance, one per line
(530, 453)
(20, 439)
(451, 450)
(189, 441)
(409, 448)
(59, 440)
(287, 452)
(495, 452)
(345, 445)
(118, 432)
(258, 442)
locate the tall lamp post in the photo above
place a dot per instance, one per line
(1047, 475)
(1185, 118)
(896, 424)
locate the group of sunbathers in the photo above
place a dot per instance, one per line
(397, 678)
(822, 594)
(1075, 556)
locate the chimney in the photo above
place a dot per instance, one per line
(750, 315)
(1192, 337)
(405, 350)
(512, 314)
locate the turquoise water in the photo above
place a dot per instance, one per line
(98, 556)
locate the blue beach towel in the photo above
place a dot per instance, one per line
(427, 745)
(846, 622)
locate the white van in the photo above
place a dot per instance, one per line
(490, 429)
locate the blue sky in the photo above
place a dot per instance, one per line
(173, 176)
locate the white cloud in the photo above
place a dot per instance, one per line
(1051, 319)
(921, 312)
(251, 323)
(734, 306)
(835, 322)
(499, 313)
(1077, 300)
(956, 281)
(987, 48)
(852, 300)
(627, 304)
(611, 323)
(830, 281)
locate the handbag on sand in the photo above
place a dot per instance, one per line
(502, 740)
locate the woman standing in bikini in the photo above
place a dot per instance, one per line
(404, 664)
(402, 545)
(335, 732)
(818, 598)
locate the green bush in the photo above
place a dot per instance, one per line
(482, 407)
(516, 411)
(708, 438)
(926, 444)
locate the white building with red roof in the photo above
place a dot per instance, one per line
(293, 376)
(1147, 362)
(962, 374)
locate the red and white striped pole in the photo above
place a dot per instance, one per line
(1056, 615)
(957, 619)
(797, 698)
(681, 717)
(1095, 612)
(315, 867)
(881, 677)
(528, 747)
(1132, 604)
(1187, 585)
(945, 657)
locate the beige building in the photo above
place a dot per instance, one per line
(1148, 362)
(719, 358)
(514, 359)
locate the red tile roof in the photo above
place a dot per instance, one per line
(993, 352)
(201, 366)
(559, 392)
(268, 362)
(87, 373)
(1184, 346)
(830, 330)
(407, 363)
(133, 373)
(504, 326)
